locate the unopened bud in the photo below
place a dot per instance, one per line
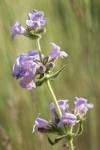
(50, 65)
(42, 69)
(41, 30)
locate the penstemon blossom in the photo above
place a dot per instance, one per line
(34, 69)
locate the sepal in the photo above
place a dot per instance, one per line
(39, 82)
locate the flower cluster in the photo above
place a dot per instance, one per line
(28, 66)
(67, 119)
(35, 26)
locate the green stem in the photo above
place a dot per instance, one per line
(39, 48)
(48, 82)
(70, 144)
(54, 98)
(70, 139)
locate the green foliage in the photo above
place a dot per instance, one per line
(75, 27)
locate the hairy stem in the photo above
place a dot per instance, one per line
(54, 98)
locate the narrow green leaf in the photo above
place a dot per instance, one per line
(56, 140)
(56, 74)
(50, 141)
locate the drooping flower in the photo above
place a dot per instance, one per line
(81, 106)
(40, 124)
(67, 119)
(55, 53)
(17, 29)
(36, 20)
(49, 61)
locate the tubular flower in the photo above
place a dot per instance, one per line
(17, 29)
(55, 53)
(25, 68)
(40, 124)
(81, 106)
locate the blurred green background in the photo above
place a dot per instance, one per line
(75, 27)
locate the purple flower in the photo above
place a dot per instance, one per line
(40, 124)
(55, 53)
(67, 119)
(81, 106)
(27, 83)
(17, 29)
(18, 71)
(34, 55)
(36, 19)
(25, 68)
(62, 104)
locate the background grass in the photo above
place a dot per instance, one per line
(75, 27)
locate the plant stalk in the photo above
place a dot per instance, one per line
(54, 98)
(39, 48)
(70, 144)
(48, 82)
(70, 139)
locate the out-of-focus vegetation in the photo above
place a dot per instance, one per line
(73, 25)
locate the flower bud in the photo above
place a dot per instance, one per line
(42, 69)
(50, 65)
(41, 30)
